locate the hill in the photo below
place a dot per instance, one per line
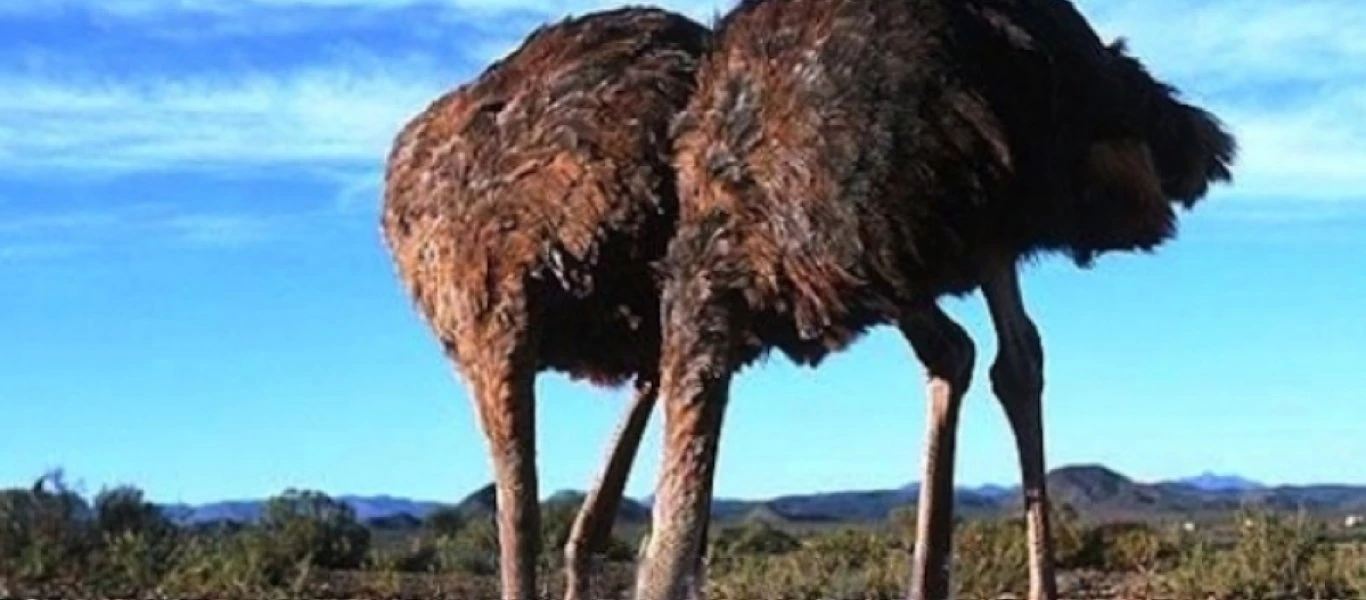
(1094, 491)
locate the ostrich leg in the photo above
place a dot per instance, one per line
(1017, 379)
(504, 397)
(697, 583)
(593, 526)
(948, 354)
(694, 382)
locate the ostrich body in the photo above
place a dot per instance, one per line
(844, 165)
(523, 211)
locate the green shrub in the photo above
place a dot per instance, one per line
(1122, 546)
(233, 565)
(54, 544)
(848, 564)
(1352, 564)
(474, 551)
(444, 520)
(990, 559)
(123, 510)
(902, 522)
(751, 539)
(1273, 557)
(312, 527)
(136, 540)
(557, 519)
(47, 534)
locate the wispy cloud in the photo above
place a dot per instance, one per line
(219, 229)
(1290, 78)
(59, 231)
(293, 83)
(259, 119)
(158, 8)
(27, 252)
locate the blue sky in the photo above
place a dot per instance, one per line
(194, 297)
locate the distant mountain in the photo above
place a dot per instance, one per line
(629, 510)
(1094, 491)
(992, 490)
(483, 502)
(379, 507)
(397, 522)
(236, 511)
(368, 508)
(1211, 482)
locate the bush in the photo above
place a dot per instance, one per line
(54, 544)
(311, 527)
(474, 551)
(243, 564)
(991, 559)
(1069, 537)
(557, 519)
(847, 564)
(1352, 561)
(1121, 546)
(136, 540)
(1273, 557)
(902, 521)
(445, 520)
(47, 534)
(123, 510)
(420, 555)
(754, 538)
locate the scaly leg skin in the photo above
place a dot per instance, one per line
(504, 397)
(593, 526)
(694, 383)
(697, 582)
(1017, 379)
(948, 355)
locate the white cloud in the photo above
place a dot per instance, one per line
(341, 113)
(1315, 149)
(219, 229)
(24, 252)
(55, 231)
(139, 221)
(702, 9)
(337, 115)
(1240, 41)
(1289, 78)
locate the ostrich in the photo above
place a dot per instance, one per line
(843, 165)
(523, 212)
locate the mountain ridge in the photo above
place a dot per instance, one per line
(1091, 489)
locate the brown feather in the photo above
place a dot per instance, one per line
(861, 157)
(534, 198)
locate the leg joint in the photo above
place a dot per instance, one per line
(942, 345)
(1018, 369)
(1014, 376)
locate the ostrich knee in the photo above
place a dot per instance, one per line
(948, 355)
(1017, 372)
(1017, 379)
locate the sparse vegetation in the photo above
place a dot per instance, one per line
(53, 542)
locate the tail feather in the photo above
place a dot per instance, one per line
(1191, 148)
(1122, 206)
